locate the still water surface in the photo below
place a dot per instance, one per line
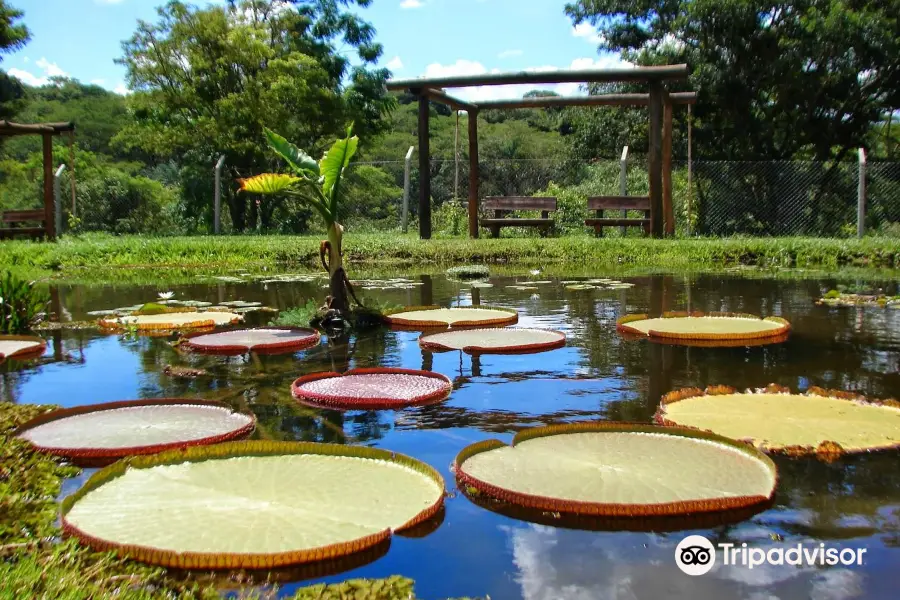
(475, 552)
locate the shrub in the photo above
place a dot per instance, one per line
(21, 305)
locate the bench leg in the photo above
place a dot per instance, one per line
(495, 231)
(598, 231)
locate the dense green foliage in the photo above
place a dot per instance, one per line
(804, 84)
(22, 305)
(776, 80)
(12, 36)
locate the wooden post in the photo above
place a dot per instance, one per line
(668, 209)
(690, 206)
(49, 216)
(861, 196)
(655, 159)
(424, 171)
(474, 175)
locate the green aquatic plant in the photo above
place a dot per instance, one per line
(319, 184)
(468, 272)
(299, 316)
(22, 305)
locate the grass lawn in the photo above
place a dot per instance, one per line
(374, 249)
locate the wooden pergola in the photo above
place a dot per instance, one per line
(46, 131)
(658, 99)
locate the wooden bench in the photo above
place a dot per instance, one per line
(13, 218)
(505, 204)
(623, 203)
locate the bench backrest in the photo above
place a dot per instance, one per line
(18, 216)
(519, 203)
(619, 203)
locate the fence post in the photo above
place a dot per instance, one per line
(57, 197)
(861, 196)
(405, 217)
(623, 182)
(217, 206)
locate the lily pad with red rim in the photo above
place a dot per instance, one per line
(99, 433)
(713, 329)
(252, 505)
(510, 340)
(371, 389)
(435, 317)
(262, 340)
(621, 470)
(171, 321)
(21, 346)
(822, 423)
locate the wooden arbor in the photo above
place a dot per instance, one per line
(46, 131)
(658, 99)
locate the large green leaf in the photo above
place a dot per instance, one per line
(299, 160)
(332, 167)
(268, 183)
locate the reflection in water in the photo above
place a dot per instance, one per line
(598, 375)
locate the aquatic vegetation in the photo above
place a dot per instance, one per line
(836, 298)
(21, 346)
(602, 469)
(319, 184)
(299, 316)
(467, 272)
(434, 316)
(170, 321)
(114, 430)
(262, 340)
(684, 327)
(824, 423)
(372, 389)
(349, 505)
(22, 305)
(509, 340)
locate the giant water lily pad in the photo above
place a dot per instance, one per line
(113, 430)
(21, 346)
(618, 470)
(424, 317)
(263, 340)
(175, 320)
(495, 341)
(371, 389)
(826, 423)
(252, 504)
(687, 328)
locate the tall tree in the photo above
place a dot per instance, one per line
(12, 36)
(776, 80)
(209, 81)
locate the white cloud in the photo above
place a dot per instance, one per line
(411, 4)
(121, 90)
(588, 32)
(510, 53)
(49, 70)
(507, 92)
(396, 64)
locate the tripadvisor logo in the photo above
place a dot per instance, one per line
(696, 555)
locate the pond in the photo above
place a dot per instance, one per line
(597, 375)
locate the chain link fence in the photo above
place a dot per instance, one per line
(716, 199)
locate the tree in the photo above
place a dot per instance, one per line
(209, 82)
(321, 185)
(776, 80)
(12, 37)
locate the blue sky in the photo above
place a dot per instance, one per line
(80, 39)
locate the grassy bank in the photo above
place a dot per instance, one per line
(34, 564)
(248, 252)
